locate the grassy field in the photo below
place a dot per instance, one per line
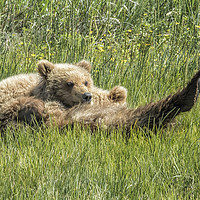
(151, 48)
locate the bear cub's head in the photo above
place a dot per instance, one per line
(67, 83)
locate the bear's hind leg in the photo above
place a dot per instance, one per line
(161, 112)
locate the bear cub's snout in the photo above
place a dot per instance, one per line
(87, 97)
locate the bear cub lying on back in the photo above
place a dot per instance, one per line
(64, 93)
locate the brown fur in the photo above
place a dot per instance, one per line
(54, 85)
(61, 96)
(66, 85)
(151, 116)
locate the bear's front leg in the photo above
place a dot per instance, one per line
(24, 109)
(31, 110)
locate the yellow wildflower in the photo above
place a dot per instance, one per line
(101, 48)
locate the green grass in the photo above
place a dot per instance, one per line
(151, 48)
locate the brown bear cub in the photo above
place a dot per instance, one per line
(57, 87)
(64, 93)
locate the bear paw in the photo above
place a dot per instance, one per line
(31, 110)
(118, 94)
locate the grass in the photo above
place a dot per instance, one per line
(151, 48)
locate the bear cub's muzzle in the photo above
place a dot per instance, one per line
(87, 97)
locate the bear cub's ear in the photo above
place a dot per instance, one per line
(45, 67)
(85, 64)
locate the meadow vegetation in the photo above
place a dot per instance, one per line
(150, 47)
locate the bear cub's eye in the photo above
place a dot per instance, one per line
(86, 83)
(70, 84)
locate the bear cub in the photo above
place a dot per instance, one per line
(54, 87)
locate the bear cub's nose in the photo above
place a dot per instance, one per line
(87, 97)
